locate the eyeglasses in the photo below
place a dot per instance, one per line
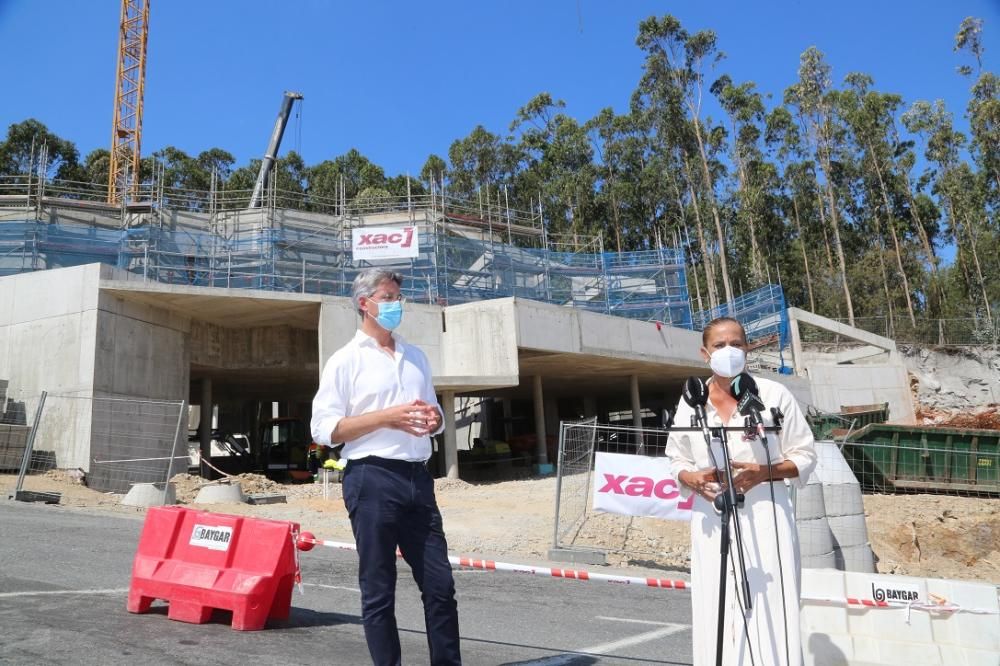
(386, 298)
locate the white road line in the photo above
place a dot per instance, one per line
(331, 587)
(43, 593)
(605, 648)
(629, 619)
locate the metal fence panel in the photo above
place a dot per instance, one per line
(107, 443)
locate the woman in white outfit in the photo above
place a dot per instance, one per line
(767, 632)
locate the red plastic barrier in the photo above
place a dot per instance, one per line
(198, 561)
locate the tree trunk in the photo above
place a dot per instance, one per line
(713, 296)
(880, 248)
(826, 236)
(895, 237)
(979, 271)
(755, 261)
(837, 245)
(697, 285)
(614, 208)
(805, 255)
(723, 262)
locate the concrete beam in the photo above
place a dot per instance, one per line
(858, 354)
(795, 314)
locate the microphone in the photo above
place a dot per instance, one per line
(748, 402)
(695, 394)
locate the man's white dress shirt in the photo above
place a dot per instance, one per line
(360, 378)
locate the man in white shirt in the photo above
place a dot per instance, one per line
(376, 396)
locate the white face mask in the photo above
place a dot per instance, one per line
(728, 361)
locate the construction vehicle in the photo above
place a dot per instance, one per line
(287, 450)
(272, 147)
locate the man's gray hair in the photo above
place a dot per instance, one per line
(367, 282)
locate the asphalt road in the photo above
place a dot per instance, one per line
(64, 575)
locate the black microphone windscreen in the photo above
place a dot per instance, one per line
(695, 392)
(742, 384)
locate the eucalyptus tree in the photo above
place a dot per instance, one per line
(984, 106)
(811, 97)
(607, 136)
(434, 170)
(870, 117)
(482, 160)
(674, 74)
(952, 181)
(557, 160)
(745, 109)
(784, 139)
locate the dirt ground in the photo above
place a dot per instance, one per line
(922, 535)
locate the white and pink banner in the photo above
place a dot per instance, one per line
(384, 242)
(638, 486)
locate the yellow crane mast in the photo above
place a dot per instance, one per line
(126, 132)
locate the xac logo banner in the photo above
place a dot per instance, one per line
(638, 486)
(384, 243)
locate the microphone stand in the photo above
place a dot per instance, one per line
(727, 503)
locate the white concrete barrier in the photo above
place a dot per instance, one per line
(860, 618)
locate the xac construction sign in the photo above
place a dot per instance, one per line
(384, 243)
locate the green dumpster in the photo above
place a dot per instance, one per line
(889, 458)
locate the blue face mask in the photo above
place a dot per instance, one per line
(389, 315)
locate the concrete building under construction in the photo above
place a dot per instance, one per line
(193, 296)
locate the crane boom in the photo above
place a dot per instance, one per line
(130, 84)
(272, 147)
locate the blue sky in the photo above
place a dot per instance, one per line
(401, 80)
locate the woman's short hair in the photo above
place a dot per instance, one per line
(367, 282)
(719, 321)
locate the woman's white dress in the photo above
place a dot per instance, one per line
(770, 541)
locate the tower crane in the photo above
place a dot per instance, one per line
(130, 83)
(272, 147)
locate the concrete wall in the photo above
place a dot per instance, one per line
(834, 386)
(480, 339)
(142, 351)
(250, 348)
(339, 321)
(48, 332)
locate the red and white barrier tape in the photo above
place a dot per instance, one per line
(853, 602)
(575, 574)
(580, 574)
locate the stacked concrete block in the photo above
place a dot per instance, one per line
(830, 515)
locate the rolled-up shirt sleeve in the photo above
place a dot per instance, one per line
(331, 402)
(427, 394)
(678, 448)
(797, 442)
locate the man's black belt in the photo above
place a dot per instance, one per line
(392, 464)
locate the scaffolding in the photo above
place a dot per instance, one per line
(300, 243)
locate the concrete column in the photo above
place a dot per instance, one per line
(541, 455)
(793, 330)
(589, 406)
(551, 415)
(205, 423)
(633, 391)
(450, 439)
(508, 413)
